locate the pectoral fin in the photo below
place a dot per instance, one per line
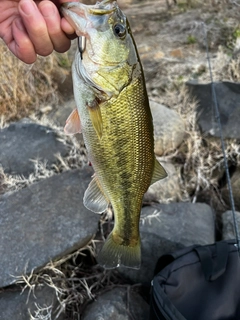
(94, 198)
(73, 123)
(96, 118)
(158, 172)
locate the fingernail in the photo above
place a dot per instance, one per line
(28, 6)
(48, 9)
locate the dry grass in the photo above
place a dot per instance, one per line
(76, 280)
(199, 157)
(25, 88)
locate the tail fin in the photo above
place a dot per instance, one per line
(115, 255)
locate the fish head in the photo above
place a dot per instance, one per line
(109, 53)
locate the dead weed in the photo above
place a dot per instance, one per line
(25, 88)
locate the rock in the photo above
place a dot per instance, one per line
(228, 97)
(44, 221)
(17, 305)
(235, 182)
(180, 222)
(228, 232)
(20, 142)
(63, 79)
(168, 227)
(60, 115)
(166, 190)
(169, 128)
(118, 304)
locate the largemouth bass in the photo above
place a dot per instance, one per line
(114, 117)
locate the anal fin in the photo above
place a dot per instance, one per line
(94, 198)
(158, 172)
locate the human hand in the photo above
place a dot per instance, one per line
(34, 27)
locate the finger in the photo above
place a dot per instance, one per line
(68, 29)
(7, 16)
(36, 27)
(66, 26)
(21, 46)
(53, 22)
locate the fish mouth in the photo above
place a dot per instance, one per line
(81, 16)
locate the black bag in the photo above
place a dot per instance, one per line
(198, 283)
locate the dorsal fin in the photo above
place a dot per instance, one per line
(158, 172)
(73, 123)
(94, 198)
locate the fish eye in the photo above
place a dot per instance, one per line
(119, 30)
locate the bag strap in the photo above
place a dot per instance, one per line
(213, 267)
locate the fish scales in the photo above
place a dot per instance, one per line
(114, 116)
(123, 158)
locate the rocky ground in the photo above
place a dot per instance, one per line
(49, 241)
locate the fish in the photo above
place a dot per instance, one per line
(114, 116)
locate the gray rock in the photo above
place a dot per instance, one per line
(17, 305)
(168, 227)
(61, 114)
(63, 79)
(228, 231)
(44, 221)
(235, 182)
(169, 128)
(21, 141)
(118, 304)
(166, 190)
(228, 97)
(181, 222)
